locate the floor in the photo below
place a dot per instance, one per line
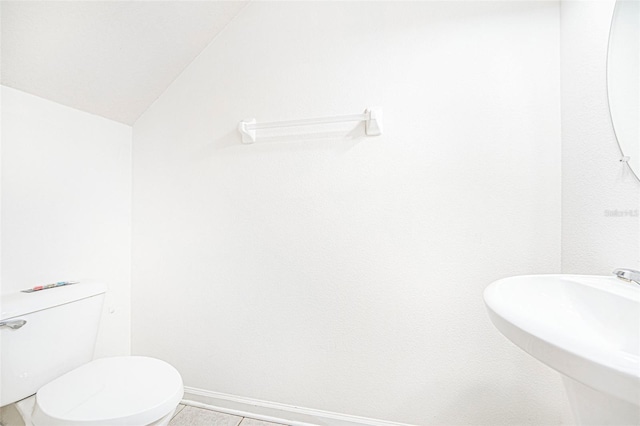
(193, 416)
(184, 416)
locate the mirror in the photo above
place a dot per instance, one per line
(623, 79)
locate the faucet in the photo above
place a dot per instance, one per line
(628, 275)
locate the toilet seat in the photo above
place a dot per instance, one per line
(128, 390)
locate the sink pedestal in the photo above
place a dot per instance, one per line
(593, 408)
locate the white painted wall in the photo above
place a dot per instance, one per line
(594, 182)
(66, 205)
(110, 58)
(346, 273)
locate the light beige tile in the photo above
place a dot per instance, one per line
(9, 416)
(179, 408)
(253, 422)
(192, 416)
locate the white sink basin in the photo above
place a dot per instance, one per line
(585, 327)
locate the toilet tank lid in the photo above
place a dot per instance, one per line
(18, 304)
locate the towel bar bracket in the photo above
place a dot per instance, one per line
(248, 136)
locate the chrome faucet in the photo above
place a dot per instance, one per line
(628, 275)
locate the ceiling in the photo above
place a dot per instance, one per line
(109, 58)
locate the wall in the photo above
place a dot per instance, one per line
(595, 239)
(66, 205)
(346, 273)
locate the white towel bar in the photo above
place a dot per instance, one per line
(371, 116)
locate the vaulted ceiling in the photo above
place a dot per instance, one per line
(109, 58)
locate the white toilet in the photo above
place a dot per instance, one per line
(46, 345)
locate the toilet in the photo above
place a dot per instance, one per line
(47, 339)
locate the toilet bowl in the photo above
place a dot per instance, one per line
(108, 392)
(46, 366)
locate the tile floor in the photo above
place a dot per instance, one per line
(193, 416)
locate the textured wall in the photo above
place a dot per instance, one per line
(346, 273)
(66, 205)
(594, 183)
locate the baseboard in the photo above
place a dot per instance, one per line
(274, 411)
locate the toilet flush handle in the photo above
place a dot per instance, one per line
(16, 324)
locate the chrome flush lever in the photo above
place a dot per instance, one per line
(15, 324)
(628, 275)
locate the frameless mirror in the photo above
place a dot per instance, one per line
(623, 79)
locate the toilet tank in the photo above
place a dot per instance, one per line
(58, 336)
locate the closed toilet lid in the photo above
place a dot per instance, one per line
(129, 390)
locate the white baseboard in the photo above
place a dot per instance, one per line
(274, 411)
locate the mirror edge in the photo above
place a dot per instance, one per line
(635, 173)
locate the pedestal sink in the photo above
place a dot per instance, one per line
(585, 327)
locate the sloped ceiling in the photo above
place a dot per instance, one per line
(109, 58)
